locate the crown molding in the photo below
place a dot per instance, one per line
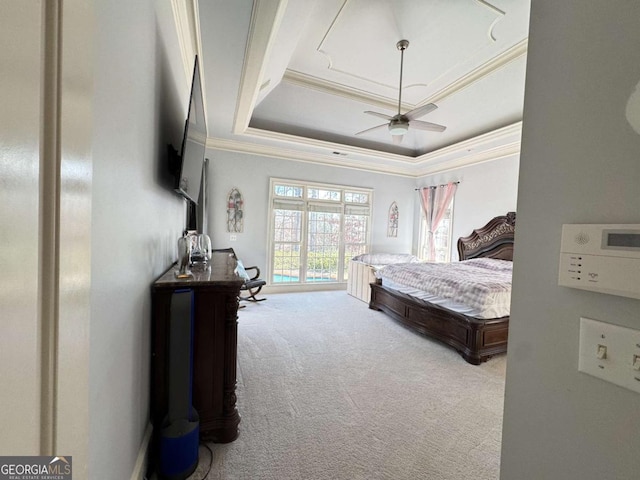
(468, 145)
(475, 143)
(466, 153)
(330, 147)
(362, 164)
(484, 70)
(488, 155)
(325, 86)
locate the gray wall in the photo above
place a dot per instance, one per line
(485, 191)
(579, 164)
(140, 100)
(251, 173)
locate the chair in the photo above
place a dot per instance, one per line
(252, 284)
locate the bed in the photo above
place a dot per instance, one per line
(477, 336)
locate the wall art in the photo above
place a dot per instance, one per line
(392, 225)
(235, 211)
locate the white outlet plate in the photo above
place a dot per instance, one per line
(622, 347)
(232, 238)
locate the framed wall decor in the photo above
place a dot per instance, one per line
(235, 211)
(392, 225)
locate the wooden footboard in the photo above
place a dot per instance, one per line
(476, 339)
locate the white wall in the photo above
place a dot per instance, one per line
(485, 191)
(251, 173)
(579, 164)
(140, 102)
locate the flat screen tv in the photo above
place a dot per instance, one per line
(187, 169)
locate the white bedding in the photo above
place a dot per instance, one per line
(479, 288)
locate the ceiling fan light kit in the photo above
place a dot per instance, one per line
(398, 127)
(399, 124)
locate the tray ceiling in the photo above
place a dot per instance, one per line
(294, 78)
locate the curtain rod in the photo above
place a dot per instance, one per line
(436, 186)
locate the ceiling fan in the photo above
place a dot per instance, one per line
(399, 124)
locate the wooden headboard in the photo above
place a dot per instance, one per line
(494, 240)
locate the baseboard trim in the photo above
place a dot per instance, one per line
(303, 287)
(140, 468)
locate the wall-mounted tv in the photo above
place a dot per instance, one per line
(187, 169)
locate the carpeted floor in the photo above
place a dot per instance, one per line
(329, 389)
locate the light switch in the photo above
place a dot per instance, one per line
(610, 352)
(636, 362)
(602, 352)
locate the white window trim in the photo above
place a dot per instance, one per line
(303, 285)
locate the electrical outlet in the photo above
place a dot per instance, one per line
(233, 238)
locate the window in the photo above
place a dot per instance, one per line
(442, 236)
(315, 231)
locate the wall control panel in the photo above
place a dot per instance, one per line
(610, 352)
(601, 258)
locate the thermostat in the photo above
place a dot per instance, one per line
(601, 258)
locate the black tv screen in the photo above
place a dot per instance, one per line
(189, 176)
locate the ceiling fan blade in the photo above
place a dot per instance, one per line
(397, 139)
(420, 111)
(376, 114)
(431, 127)
(372, 129)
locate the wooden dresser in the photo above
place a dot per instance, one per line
(215, 298)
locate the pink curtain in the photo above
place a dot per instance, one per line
(435, 201)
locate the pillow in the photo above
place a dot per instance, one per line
(241, 272)
(385, 258)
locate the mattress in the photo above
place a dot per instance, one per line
(479, 288)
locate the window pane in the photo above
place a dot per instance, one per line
(287, 226)
(442, 238)
(322, 194)
(323, 246)
(288, 191)
(286, 263)
(356, 228)
(356, 197)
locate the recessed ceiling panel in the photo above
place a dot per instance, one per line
(354, 42)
